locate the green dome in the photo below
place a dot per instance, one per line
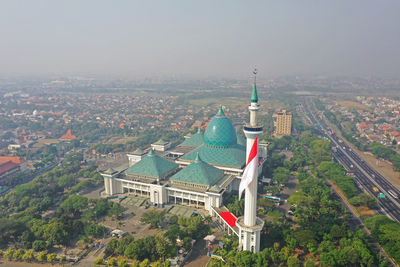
(199, 172)
(152, 166)
(220, 131)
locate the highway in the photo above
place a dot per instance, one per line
(365, 176)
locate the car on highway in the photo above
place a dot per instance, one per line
(393, 194)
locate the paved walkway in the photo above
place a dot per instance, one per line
(287, 191)
(199, 257)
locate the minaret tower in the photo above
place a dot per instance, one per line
(249, 225)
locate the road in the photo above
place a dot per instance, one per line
(366, 177)
(31, 176)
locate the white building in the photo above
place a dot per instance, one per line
(197, 172)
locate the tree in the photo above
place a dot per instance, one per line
(382, 151)
(385, 231)
(281, 175)
(276, 160)
(42, 256)
(273, 189)
(351, 255)
(310, 263)
(266, 204)
(293, 262)
(52, 257)
(196, 228)
(145, 263)
(74, 157)
(141, 249)
(123, 244)
(390, 233)
(338, 232)
(230, 242)
(122, 263)
(320, 151)
(327, 259)
(111, 262)
(187, 243)
(63, 259)
(336, 173)
(326, 246)
(237, 207)
(153, 217)
(135, 263)
(395, 159)
(76, 202)
(276, 214)
(18, 254)
(162, 246)
(363, 199)
(29, 255)
(99, 261)
(300, 199)
(244, 259)
(304, 237)
(173, 233)
(55, 233)
(375, 222)
(111, 248)
(9, 253)
(66, 181)
(95, 230)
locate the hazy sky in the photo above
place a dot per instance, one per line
(200, 38)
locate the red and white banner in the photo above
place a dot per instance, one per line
(250, 172)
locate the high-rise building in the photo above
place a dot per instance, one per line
(282, 123)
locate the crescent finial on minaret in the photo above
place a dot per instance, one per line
(255, 75)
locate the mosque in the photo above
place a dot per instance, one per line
(197, 172)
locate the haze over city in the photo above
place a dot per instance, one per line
(200, 133)
(199, 38)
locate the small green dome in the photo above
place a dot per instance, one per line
(195, 140)
(220, 131)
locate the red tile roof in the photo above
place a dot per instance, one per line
(68, 136)
(8, 166)
(16, 160)
(386, 125)
(205, 125)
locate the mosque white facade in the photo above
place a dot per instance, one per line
(197, 172)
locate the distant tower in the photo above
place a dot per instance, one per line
(282, 123)
(249, 225)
